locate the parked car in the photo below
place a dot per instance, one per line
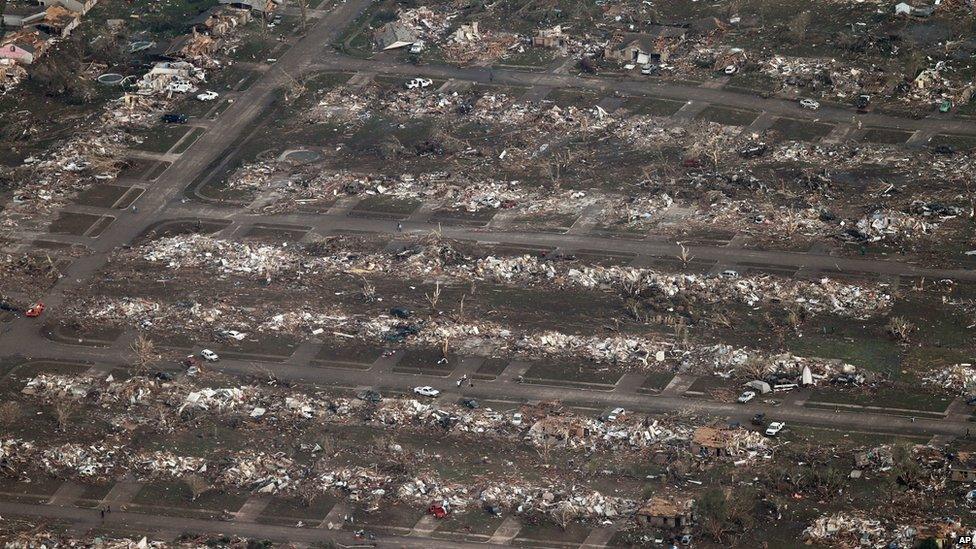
(417, 47)
(775, 428)
(208, 96)
(419, 83)
(426, 391)
(759, 420)
(729, 273)
(470, 403)
(369, 395)
(517, 418)
(945, 105)
(179, 86)
(233, 334)
(746, 397)
(649, 70)
(947, 150)
(209, 355)
(731, 69)
(175, 118)
(862, 102)
(810, 104)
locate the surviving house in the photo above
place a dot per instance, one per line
(549, 38)
(662, 512)
(76, 6)
(653, 46)
(710, 441)
(393, 36)
(963, 467)
(24, 46)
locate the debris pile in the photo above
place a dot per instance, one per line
(471, 46)
(260, 472)
(166, 464)
(94, 461)
(958, 378)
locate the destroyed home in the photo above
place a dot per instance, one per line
(493, 289)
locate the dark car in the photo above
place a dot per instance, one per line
(175, 118)
(944, 149)
(470, 403)
(759, 420)
(753, 151)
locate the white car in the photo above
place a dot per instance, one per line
(729, 273)
(180, 86)
(517, 418)
(419, 83)
(809, 104)
(209, 355)
(746, 397)
(426, 391)
(234, 334)
(774, 428)
(731, 69)
(615, 413)
(417, 47)
(208, 96)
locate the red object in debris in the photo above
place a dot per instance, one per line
(437, 510)
(36, 310)
(691, 163)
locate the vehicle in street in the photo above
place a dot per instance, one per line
(746, 397)
(419, 83)
(175, 118)
(517, 418)
(35, 310)
(426, 390)
(810, 104)
(775, 428)
(209, 355)
(208, 96)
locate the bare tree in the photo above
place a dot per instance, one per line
(197, 485)
(145, 352)
(10, 412)
(684, 256)
(433, 298)
(368, 291)
(900, 328)
(64, 410)
(303, 7)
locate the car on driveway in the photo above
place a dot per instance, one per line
(809, 104)
(426, 391)
(419, 83)
(209, 355)
(746, 397)
(208, 96)
(775, 428)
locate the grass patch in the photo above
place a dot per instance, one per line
(801, 130)
(160, 139)
(727, 116)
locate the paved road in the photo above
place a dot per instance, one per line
(506, 389)
(139, 524)
(658, 247)
(655, 87)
